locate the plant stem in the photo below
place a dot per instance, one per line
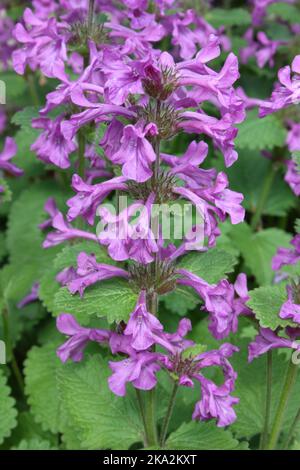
(81, 152)
(157, 144)
(150, 420)
(10, 352)
(265, 432)
(168, 415)
(141, 408)
(292, 431)
(285, 395)
(32, 89)
(263, 196)
(149, 408)
(91, 14)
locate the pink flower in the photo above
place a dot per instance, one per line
(136, 154)
(89, 272)
(79, 337)
(9, 151)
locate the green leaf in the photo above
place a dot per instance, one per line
(15, 85)
(6, 195)
(113, 299)
(8, 412)
(24, 117)
(212, 266)
(259, 248)
(248, 176)
(233, 17)
(286, 12)
(266, 303)
(193, 351)
(105, 420)
(34, 444)
(181, 300)
(41, 368)
(255, 133)
(251, 389)
(24, 238)
(201, 436)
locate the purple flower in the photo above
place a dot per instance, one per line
(95, 112)
(136, 154)
(51, 208)
(122, 78)
(286, 256)
(31, 297)
(88, 197)
(219, 301)
(65, 276)
(89, 272)
(229, 202)
(128, 239)
(292, 176)
(51, 146)
(220, 130)
(216, 403)
(79, 337)
(290, 310)
(64, 231)
(9, 151)
(139, 369)
(267, 340)
(187, 168)
(287, 92)
(293, 137)
(43, 45)
(144, 328)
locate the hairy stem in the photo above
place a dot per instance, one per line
(263, 197)
(10, 352)
(265, 432)
(292, 431)
(32, 89)
(168, 416)
(81, 152)
(284, 398)
(142, 413)
(91, 14)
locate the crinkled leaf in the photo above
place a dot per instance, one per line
(212, 266)
(8, 412)
(41, 369)
(201, 436)
(251, 389)
(34, 444)
(105, 420)
(266, 303)
(255, 133)
(113, 299)
(259, 248)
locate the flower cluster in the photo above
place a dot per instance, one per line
(141, 363)
(118, 101)
(290, 309)
(265, 46)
